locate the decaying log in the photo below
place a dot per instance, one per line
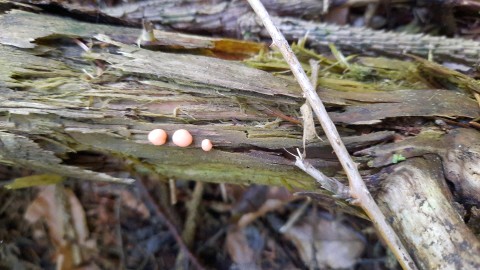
(235, 18)
(53, 108)
(459, 151)
(418, 203)
(60, 108)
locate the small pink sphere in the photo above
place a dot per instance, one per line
(157, 136)
(207, 145)
(182, 138)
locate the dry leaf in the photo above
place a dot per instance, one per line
(35, 180)
(240, 249)
(66, 222)
(334, 244)
(45, 206)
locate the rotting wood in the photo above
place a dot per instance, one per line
(235, 19)
(55, 26)
(416, 199)
(459, 151)
(98, 110)
(50, 104)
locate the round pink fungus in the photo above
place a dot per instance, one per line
(182, 138)
(157, 136)
(207, 145)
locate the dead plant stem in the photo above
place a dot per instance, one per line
(358, 189)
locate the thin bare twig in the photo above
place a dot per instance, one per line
(330, 184)
(188, 233)
(295, 216)
(358, 189)
(173, 191)
(118, 231)
(171, 228)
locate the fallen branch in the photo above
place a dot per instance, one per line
(231, 18)
(330, 184)
(358, 189)
(427, 218)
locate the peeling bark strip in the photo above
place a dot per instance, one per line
(53, 27)
(235, 19)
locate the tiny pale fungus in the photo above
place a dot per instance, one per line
(157, 136)
(207, 145)
(182, 138)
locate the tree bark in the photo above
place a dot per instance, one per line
(418, 201)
